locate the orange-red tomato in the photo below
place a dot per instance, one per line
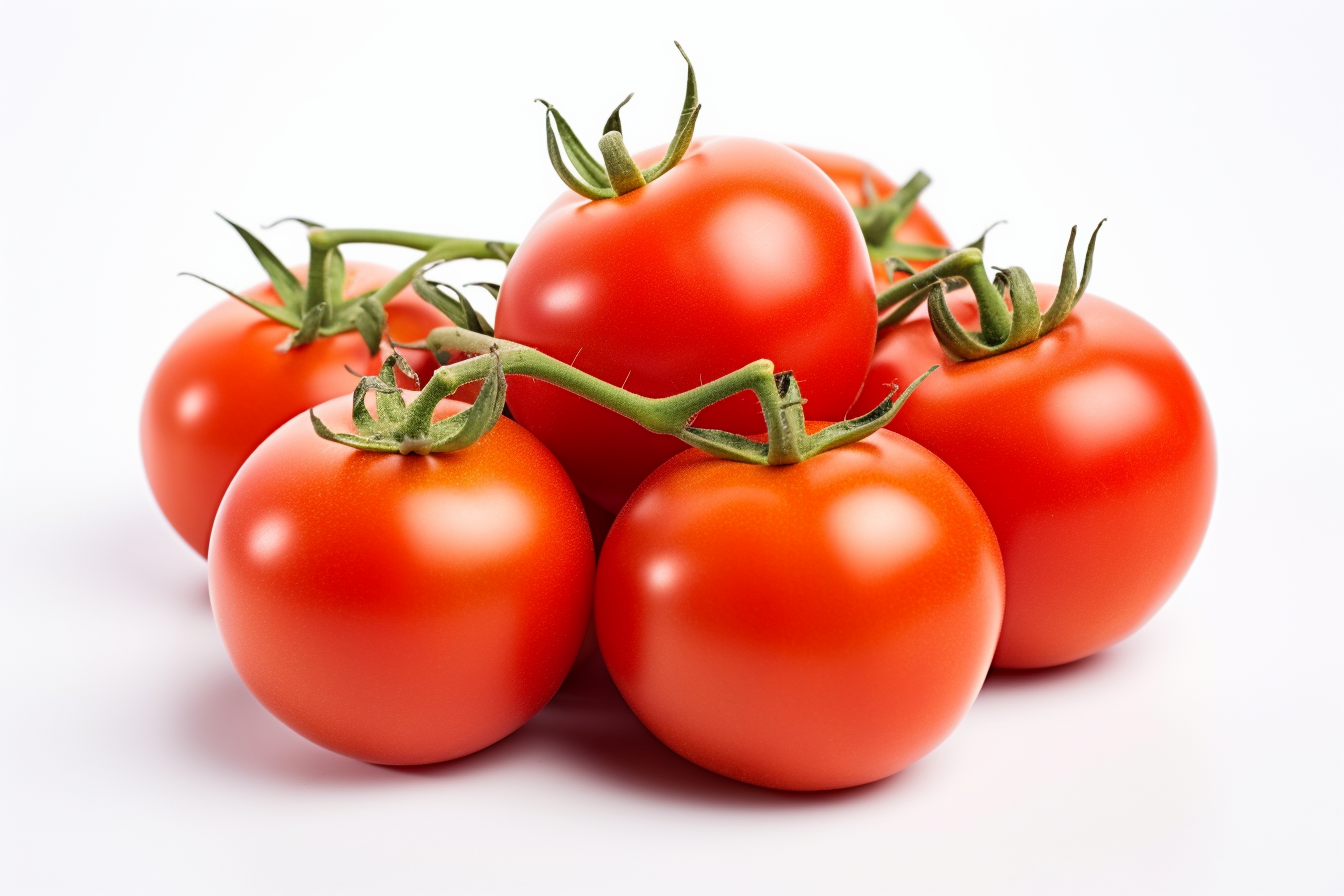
(801, 627)
(401, 610)
(221, 388)
(849, 173)
(742, 251)
(1091, 450)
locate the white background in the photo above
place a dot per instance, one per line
(1201, 756)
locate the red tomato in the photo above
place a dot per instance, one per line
(848, 174)
(1092, 452)
(221, 388)
(401, 610)
(742, 251)
(801, 627)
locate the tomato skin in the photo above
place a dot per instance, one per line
(221, 388)
(1091, 450)
(401, 610)
(848, 174)
(803, 627)
(742, 251)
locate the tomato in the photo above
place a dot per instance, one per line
(221, 388)
(1091, 450)
(849, 174)
(401, 610)
(802, 627)
(742, 251)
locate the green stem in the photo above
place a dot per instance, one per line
(618, 174)
(667, 416)
(966, 264)
(449, 249)
(1024, 322)
(329, 238)
(316, 291)
(322, 242)
(622, 171)
(788, 441)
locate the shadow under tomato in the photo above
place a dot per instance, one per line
(226, 725)
(1098, 664)
(589, 724)
(586, 727)
(133, 551)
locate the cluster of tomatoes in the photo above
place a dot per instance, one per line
(791, 620)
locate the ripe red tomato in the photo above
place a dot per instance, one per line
(221, 388)
(401, 610)
(1092, 452)
(848, 173)
(741, 251)
(801, 627)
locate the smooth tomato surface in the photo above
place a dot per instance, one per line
(848, 173)
(221, 388)
(1091, 450)
(742, 251)
(401, 610)
(802, 627)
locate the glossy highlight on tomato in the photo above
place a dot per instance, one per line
(222, 387)
(1092, 452)
(401, 609)
(802, 627)
(742, 251)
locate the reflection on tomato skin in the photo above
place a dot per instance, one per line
(743, 251)
(401, 609)
(801, 627)
(1091, 450)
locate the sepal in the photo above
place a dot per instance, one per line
(617, 173)
(308, 330)
(455, 307)
(400, 428)
(287, 286)
(1002, 330)
(277, 313)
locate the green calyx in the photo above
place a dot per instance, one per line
(321, 308)
(406, 429)
(1002, 328)
(452, 304)
(410, 429)
(880, 218)
(617, 173)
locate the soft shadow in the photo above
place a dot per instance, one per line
(587, 725)
(136, 551)
(226, 724)
(588, 722)
(1008, 680)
